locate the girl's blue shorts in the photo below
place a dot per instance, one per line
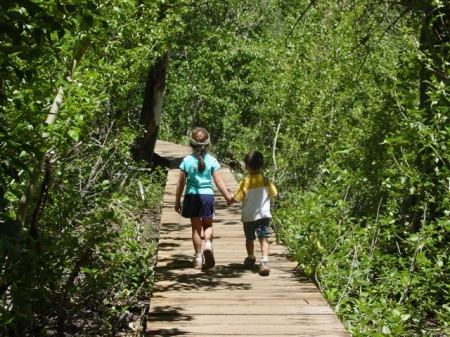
(198, 206)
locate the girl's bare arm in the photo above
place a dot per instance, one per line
(222, 188)
(179, 191)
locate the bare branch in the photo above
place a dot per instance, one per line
(274, 147)
(313, 2)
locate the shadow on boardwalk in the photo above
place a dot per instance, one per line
(228, 300)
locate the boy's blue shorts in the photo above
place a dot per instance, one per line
(261, 227)
(198, 206)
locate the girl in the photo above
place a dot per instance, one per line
(197, 171)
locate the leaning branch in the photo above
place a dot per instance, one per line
(24, 201)
(36, 172)
(312, 2)
(275, 147)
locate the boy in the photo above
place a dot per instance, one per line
(255, 191)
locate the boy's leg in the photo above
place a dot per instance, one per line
(250, 260)
(265, 247)
(264, 269)
(250, 247)
(249, 230)
(250, 237)
(263, 232)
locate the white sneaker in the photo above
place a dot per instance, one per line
(197, 263)
(264, 269)
(209, 257)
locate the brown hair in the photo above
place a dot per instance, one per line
(254, 160)
(200, 142)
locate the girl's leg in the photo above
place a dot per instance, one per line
(208, 251)
(208, 229)
(196, 224)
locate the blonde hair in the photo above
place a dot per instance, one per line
(200, 141)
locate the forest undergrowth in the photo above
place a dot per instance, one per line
(347, 100)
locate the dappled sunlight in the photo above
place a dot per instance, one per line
(228, 297)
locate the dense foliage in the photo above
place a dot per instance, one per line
(77, 213)
(348, 100)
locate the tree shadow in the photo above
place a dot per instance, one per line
(166, 332)
(172, 277)
(173, 228)
(178, 276)
(176, 280)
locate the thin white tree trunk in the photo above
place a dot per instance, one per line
(24, 201)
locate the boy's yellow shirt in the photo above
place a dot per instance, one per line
(255, 191)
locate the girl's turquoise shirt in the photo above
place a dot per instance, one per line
(196, 182)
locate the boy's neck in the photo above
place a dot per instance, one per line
(252, 172)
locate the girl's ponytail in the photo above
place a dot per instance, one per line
(199, 142)
(201, 162)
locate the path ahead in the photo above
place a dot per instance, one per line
(228, 300)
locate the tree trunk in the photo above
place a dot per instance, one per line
(22, 306)
(152, 107)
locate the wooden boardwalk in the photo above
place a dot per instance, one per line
(228, 300)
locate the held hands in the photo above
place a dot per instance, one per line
(230, 199)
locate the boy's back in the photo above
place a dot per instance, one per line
(255, 191)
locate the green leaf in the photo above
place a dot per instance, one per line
(414, 237)
(74, 135)
(89, 20)
(405, 317)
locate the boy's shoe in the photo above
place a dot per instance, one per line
(209, 258)
(197, 263)
(249, 262)
(264, 269)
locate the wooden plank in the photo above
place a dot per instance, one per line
(230, 325)
(228, 300)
